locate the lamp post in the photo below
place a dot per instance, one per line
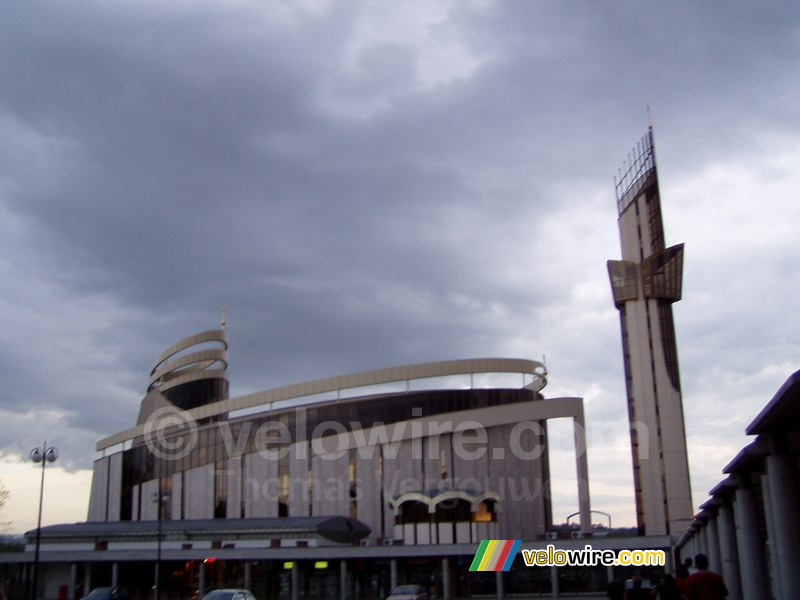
(42, 455)
(158, 499)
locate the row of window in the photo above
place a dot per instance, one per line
(218, 441)
(454, 510)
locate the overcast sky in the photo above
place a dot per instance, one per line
(374, 183)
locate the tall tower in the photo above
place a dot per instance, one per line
(645, 283)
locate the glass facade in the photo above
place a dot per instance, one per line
(662, 274)
(216, 442)
(197, 393)
(624, 280)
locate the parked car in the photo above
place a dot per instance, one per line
(408, 592)
(230, 594)
(107, 593)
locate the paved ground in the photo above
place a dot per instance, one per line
(540, 597)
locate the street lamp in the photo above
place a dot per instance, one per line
(159, 499)
(42, 455)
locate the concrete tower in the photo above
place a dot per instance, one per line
(645, 283)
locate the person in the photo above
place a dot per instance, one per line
(705, 584)
(615, 590)
(668, 589)
(682, 579)
(637, 588)
(688, 563)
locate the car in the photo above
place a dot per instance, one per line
(107, 593)
(230, 594)
(408, 592)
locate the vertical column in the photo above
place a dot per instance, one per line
(582, 465)
(247, 574)
(727, 551)
(609, 573)
(754, 581)
(783, 505)
(342, 580)
(233, 485)
(73, 581)
(26, 577)
(87, 579)
(774, 554)
(393, 573)
(202, 579)
(669, 562)
(114, 574)
(713, 545)
(295, 580)
(554, 587)
(446, 578)
(501, 590)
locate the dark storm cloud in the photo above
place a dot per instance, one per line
(180, 166)
(363, 189)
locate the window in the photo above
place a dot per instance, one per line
(486, 512)
(413, 511)
(453, 510)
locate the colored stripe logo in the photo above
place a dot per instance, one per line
(495, 555)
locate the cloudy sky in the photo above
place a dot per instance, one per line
(373, 183)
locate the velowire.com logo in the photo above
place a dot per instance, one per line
(495, 555)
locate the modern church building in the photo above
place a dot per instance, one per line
(645, 283)
(430, 453)
(337, 487)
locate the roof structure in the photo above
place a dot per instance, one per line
(334, 528)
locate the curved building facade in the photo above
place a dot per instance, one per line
(445, 452)
(336, 487)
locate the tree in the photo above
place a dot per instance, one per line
(8, 543)
(4, 494)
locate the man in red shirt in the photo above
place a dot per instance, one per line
(705, 584)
